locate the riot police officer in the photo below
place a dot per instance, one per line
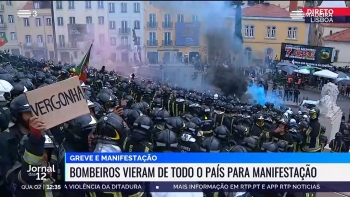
(140, 136)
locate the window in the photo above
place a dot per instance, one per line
(124, 24)
(336, 56)
(40, 39)
(101, 38)
(292, 33)
(248, 53)
(70, 4)
(123, 7)
(61, 42)
(167, 35)
(49, 39)
(152, 39)
(100, 4)
(330, 32)
(8, 3)
(180, 18)
(152, 18)
(152, 35)
(58, 5)
(13, 36)
(111, 7)
(87, 4)
(75, 54)
(136, 24)
(111, 24)
(194, 18)
(38, 21)
(167, 39)
(11, 19)
(1, 19)
(113, 41)
(101, 20)
(60, 21)
(88, 20)
(138, 40)
(71, 20)
(36, 5)
(249, 31)
(28, 39)
(270, 32)
(167, 18)
(124, 40)
(26, 22)
(48, 22)
(136, 7)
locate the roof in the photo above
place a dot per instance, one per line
(28, 6)
(337, 25)
(265, 10)
(342, 36)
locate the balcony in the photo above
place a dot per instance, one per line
(152, 25)
(124, 31)
(34, 45)
(3, 25)
(2, 8)
(66, 46)
(167, 25)
(124, 46)
(152, 43)
(167, 43)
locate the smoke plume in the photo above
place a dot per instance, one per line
(229, 80)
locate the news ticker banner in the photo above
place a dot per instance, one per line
(322, 15)
(314, 170)
(197, 186)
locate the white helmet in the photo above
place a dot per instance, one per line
(216, 96)
(5, 87)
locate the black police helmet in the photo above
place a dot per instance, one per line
(143, 123)
(269, 147)
(19, 105)
(222, 133)
(210, 144)
(238, 149)
(166, 141)
(78, 131)
(111, 126)
(175, 124)
(132, 115)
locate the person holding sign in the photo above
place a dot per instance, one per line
(37, 164)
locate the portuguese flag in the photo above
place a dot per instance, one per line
(3, 40)
(81, 69)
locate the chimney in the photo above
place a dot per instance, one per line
(293, 5)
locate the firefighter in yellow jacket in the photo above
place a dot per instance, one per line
(34, 174)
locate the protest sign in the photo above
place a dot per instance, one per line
(59, 102)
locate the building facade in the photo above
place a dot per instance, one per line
(265, 27)
(337, 35)
(125, 19)
(8, 27)
(170, 35)
(77, 25)
(35, 34)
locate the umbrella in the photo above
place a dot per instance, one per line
(343, 80)
(342, 75)
(326, 74)
(310, 68)
(303, 71)
(287, 69)
(280, 64)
